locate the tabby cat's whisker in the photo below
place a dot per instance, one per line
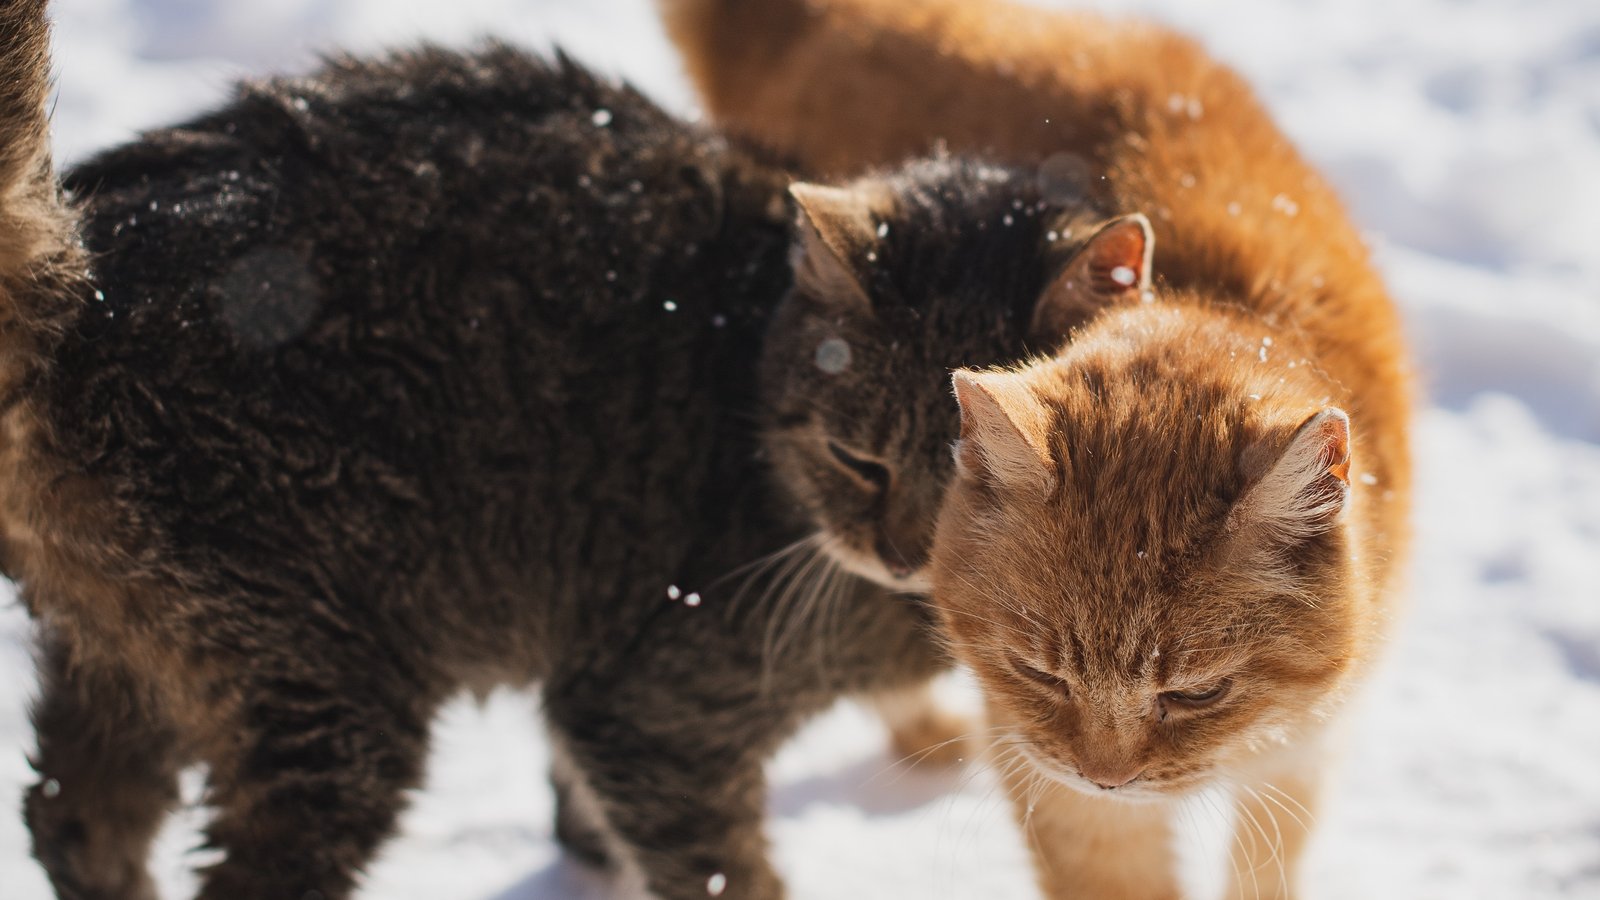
(765, 560)
(1003, 602)
(799, 602)
(773, 603)
(757, 568)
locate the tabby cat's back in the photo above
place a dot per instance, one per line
(412, 326)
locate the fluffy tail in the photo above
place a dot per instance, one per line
(32, 217)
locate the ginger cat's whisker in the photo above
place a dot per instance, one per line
(1259, 832)
(1273, 789)
(909, 761)
(1006, 603)
(1235, 845)
(1244, 841)
(1279, 847)
(1004, 625)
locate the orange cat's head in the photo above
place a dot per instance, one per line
(1147, 555)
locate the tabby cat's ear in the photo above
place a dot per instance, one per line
(836, 232)
(1305, 489)
(1004, 432)
(1111, 267)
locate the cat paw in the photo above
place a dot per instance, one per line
(82, 857)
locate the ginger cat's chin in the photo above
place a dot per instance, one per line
(1137, 791)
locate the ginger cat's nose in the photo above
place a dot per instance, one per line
(1110, 776)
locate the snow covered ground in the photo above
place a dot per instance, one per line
(1466, 136)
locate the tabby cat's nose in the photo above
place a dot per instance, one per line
(898, 564)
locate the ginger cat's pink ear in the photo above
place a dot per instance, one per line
(837, 230)
(1113, 266)
(1004, 431)
(1306, 488)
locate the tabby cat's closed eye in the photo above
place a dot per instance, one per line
(875, 475)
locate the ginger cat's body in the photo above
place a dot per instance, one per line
(1259, 276)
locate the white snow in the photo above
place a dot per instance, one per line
(1465, 135)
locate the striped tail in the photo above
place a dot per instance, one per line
(33, 221)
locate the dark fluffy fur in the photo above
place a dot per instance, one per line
(425, 374)
(374, 393)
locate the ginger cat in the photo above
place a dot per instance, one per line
(1169, 551)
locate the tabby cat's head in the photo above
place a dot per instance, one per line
(899, 280)
(1146, 556)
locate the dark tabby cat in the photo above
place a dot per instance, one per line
(439, 372)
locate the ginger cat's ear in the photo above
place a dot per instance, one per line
(1111, 267)
(1004, 432)
(836, 231)
(1305, 489)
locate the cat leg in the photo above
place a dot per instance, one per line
(309, 778)
(1273, 818)
(580, 825)
(683, 795)
(108, 767)
(921, 730)
(1092, 848)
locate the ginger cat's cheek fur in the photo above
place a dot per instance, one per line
(1199, 509)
